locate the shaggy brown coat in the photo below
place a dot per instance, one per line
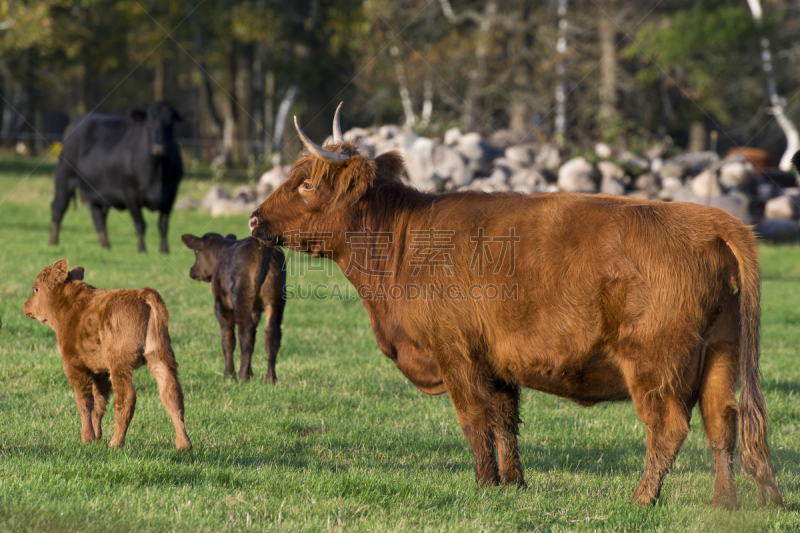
(103, 336)
(617, 299)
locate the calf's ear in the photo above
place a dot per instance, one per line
(60, 271)
(75, 273)
(195, 243)
(230, 237)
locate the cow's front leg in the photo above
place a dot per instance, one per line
(99, 218)
(471, 394)
(163, 223)
(138, 223)
(81, 381)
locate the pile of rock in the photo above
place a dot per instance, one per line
(244, 200)
(508, 161)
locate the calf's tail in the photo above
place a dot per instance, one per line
(754, 454)
(158, 328)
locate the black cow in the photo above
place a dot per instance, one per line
(120, 162)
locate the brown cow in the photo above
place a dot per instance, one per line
(758, 158)
(247, 278)
(103, 336)
(601, 298)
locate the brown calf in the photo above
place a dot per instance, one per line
(247, 278)
(589, 297)
(103, 336)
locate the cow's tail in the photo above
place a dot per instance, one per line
(754, 454)
(158, 342)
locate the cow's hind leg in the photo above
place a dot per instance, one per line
(720, 413)
(124, 404)
(101, 389)
(272, 339)
(165, 370)
(99, 214)
(163, 224)
(247, 338)
(505, 408)
(666, 418)
(472, 393)
(225, 319)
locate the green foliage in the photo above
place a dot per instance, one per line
(343, 441)
(697, 50)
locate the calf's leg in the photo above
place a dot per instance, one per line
(720, 413)
(82, 383)
(101, 389)
(124, 404)
(99, 218)
(272, 340)
(169, 388)
(163, 223)
(247, 339)
(505, 412)
(225, 319)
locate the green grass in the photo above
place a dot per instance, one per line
(343, 441)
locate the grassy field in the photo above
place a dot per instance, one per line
(343, 441)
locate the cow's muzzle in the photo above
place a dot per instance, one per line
(259, 228)
(159, 149)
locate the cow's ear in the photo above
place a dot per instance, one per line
(138, 114)
(230, 237)
(75, 273)
(195, 243)
(60, 271)
(180, 117)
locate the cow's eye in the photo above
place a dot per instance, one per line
(36, 289)
(306, 186)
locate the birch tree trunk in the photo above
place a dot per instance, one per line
(561, 86)
(280, 124)
(777, 103)
(405, 94)
(608, 72)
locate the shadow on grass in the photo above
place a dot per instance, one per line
(783, 386)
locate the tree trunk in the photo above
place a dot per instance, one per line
(405, 94)
(778, 104)
(561, 85)
(608, 73)
(216, 119)
(232, 133)
(280, 124)
(697, 137)
(259, 73)
(519, 108)
(159, 74)
(29, 88)
(477, 76)
(244, 101)
(269, 114)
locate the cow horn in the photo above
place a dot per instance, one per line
(337, 127)
(336, 160)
